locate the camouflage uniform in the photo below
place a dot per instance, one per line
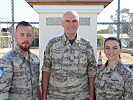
(21, 75)
(70, 66)
(115, 83)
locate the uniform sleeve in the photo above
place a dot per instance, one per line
(92, 68)
(6, 72)
(47, 62)
(128, 94)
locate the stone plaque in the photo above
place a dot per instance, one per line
(56, 21)
(53, 21)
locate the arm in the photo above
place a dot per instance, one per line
(39, 92)
(5, 78)
(91, 87)
(92, 69)
(46, 69)
(45, 81)
(128, 86)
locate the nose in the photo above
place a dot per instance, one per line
(71, 24)
(25, 38)
(111, 50)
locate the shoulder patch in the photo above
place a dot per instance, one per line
(1, 73)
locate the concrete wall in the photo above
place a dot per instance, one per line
(46, 32)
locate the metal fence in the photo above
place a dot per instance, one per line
(120, 27)
(7, 38)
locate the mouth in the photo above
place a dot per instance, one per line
(111, 55)
(25, 43)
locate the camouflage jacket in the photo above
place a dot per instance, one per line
(70, 66)
(20, 75)
(114, 83)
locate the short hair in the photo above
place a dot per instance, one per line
(23, 23)
(115, 39)
(72, 12)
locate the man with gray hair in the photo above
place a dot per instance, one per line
(69, 66)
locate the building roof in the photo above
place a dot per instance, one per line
(69, 2)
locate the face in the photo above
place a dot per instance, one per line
(112, 50)
(24, 37)
(70, 23)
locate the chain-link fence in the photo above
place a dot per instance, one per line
(120, 26)
(125, 37)
(21, 14)
(126, 34)
(12, 12)
(6, 39)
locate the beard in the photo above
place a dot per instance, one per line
(23, 47)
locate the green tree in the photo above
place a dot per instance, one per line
(126, 16)
(36, 39)
(131, 43)
(103, 31)
(100, 40)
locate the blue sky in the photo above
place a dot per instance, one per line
(23, 11)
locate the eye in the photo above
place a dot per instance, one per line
(67, 21)
(29, 35)
(107, 48)
(22, 34)
(115, 47)
(74, 21)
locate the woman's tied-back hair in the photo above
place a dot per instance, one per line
(115, 39)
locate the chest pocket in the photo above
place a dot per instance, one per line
(19, 75)
(83, 61)
(57, 56)
(19, 71)
(34, 73)
(116, 83)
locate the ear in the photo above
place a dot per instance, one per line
(33, 37)
(62, 22)
(79, 22)
(15, 36)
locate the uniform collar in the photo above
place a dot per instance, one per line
(22, 57)
(109, 69)
(66, 41)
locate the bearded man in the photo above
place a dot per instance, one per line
(19, 67)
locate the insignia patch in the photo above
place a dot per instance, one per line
(1, 73)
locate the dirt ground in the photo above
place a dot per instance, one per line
(125, 57)
(5, 50)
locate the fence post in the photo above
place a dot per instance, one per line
(118, 20)
(12, 27)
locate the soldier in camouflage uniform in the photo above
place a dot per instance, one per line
(114, 80)
(20, 68)
(69, 66)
